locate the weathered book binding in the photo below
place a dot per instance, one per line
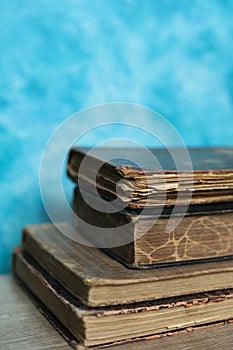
(98, 280)
(101, 327)
(211, 180)
(202, 235)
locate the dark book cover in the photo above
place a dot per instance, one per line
(200, 235)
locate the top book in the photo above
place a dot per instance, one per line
(151, 182)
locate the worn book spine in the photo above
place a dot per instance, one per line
(201, 236)
(210, 179)
(46, 290)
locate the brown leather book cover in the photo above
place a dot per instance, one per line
(120, 324)
(97, 279)
(211, 180)
(200, 236)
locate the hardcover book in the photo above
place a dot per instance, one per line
(147, 183)
(201, 235)
(98, 280)
(108, 325)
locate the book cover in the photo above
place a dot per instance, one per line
(98, 280)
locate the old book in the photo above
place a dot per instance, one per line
(98, 280)
(103, 326)
(152, 184)
(205, 336)
(201, 235)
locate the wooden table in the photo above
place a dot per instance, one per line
(22, 327)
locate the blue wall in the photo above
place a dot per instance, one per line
(57, 57)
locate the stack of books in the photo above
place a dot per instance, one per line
(157, 283)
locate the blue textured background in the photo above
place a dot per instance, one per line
(60, 56)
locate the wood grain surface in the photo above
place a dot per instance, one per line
(22, 327)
